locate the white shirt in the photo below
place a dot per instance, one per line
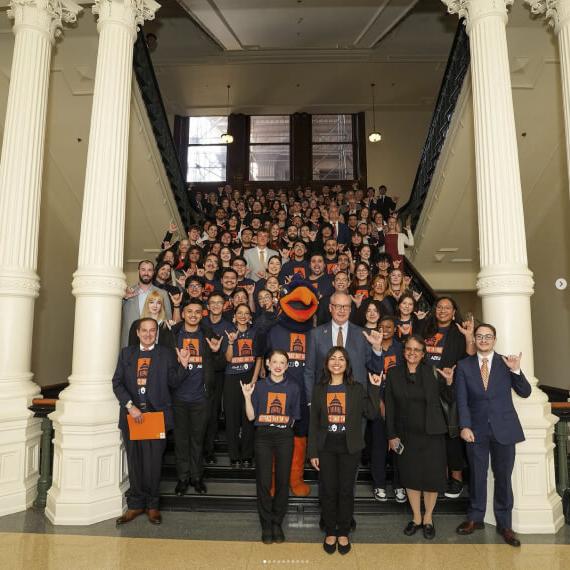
(335, 328)
(143, 349)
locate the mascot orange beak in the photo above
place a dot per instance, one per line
(300, 305)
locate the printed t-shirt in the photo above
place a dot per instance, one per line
(435, 345)
(276, 404)
(143, 366)
(336, 408)
(245, 351)
(192, 388)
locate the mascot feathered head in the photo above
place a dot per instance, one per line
(298, 301)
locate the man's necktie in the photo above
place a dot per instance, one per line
(262, 257)
(339, 338)
(485, 373)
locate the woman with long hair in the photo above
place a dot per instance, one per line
(335, 442)
(153, 308)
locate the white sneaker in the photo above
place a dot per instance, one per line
(400, 495)
(380, 495)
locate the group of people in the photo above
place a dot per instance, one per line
(293, 313)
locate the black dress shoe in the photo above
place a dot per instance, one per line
(429, 531)
(211, 460)
(267, 536)
(343, 548)
(247, 463)
(509, 536)
(412, 528)
(278, 536)
(200, 486)
(181, 487)
(235, 464)
(352, 525)
(329, 548)
(468, 527)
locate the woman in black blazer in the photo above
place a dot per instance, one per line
(335, 441)
(415, 420)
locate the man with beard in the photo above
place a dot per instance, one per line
(320, 281)
(331, 260)
(135, 297)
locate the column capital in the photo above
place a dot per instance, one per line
(130, 13)
(557, 12)
(47, 16)
(472, 10)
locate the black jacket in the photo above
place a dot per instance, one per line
(358, 404)
(164, 374)
(395, 399)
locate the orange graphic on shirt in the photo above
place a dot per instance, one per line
(275, 409)
(363, 292)
(244, 351)
(193, 346)
(433, 344)
(300, 270)
(143, 365)
(404, 329)
(336, 406)
(389, 362)
(331, 268)
(297, 346)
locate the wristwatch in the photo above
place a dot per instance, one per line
(129, 405)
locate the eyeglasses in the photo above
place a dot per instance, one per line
(341, 307)
(414, 350)
(484, 336)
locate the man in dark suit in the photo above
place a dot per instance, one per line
(141, 384)
(365, 349)
(384, 204)
(490, 425)
(340, 231)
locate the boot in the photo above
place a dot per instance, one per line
(298, 486)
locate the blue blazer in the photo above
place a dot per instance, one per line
(164, 373)
(478, 409)
(362, 357)
(344, 234)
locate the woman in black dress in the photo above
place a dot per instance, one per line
(415, 420)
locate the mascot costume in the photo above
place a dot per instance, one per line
(299, 304)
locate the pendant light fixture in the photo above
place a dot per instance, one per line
(226, 137)
(374, 136)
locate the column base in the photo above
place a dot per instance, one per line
(19, 462)
(89, 469)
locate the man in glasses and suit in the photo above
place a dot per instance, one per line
(490, 426)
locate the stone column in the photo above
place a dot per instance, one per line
(505, 282)
(558, 14)
(36, 24)
(89, 475)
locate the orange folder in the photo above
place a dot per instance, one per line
(152, 427)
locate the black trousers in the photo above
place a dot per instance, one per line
(336, 484)
(455, 448)
(271, 442)
(144, 461)
(215, 403)
(239, 430)
(379, 456)
(189, 427)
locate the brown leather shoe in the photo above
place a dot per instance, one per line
(509, 536)
(467, 527)
(154, 516)
(129, 516)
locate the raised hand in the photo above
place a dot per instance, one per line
(176, 298)
(513, 361)
(260, 274)
(376, 379)
(131, 292)
(417, 295)
(357, 299)
(285, 253)
(183, 356)
(396, 263)
(214, 343)
(200, 272)
(247, 389)
(250, 289)
(374, 338)
(288, 279)
(231, 336)
(421, 314)
(467, 327)
(447, 373)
